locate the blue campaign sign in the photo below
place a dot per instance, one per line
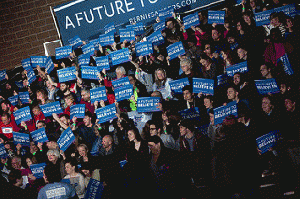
(119, 56)
(216, 17)
(84, 59)
(127, 34)
(75, 42)
(106, 113)
(31, 76)
(38, 61)
(21, 138)
(2, 74)
(222, 112)
(286, 64)
(94, 189)
(50, 108)
(26, 63)
(191, 20)
(265, 142)
(89, 72)
(159, 26)
(22, 114)
(88, 48)
(107, 39)
(143, 48)
(110, 28)
(120, 82)
(156, 38)
(49, 65)
(177, 85)
(139, 28)
(98, 94)
(123, 92)
(103, 62)
(38, 169)
(222, 79)
(66, 139)
(14, 100)
(175, 49)
(191, 114)
(19, 84)
(147, 104)
(66, 74)
(24, 97)
(77, 110)
(165, 13)
(96, 43)
(205, 86)
(39, 136)
(240, 67)
(266, 86)
(3, 153)
(63, 52)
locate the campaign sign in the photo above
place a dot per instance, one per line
(38, 169)
(14, 100)
(109, 28)
(123, 92)
(120, 56)
(77, 110)
(96, 43)
(175, 49)
(266, 86)
(127, 34)
(2, 74)
(88, 48)
(191, 114)
(49, 65)
(191, 20)
(19, 84)
(50, 108)
(98, 94)
(102, 63)
(24, 97)
(205, 86)
(21, 138)
(265, 142)
(165, 13)
(66, 139)
(22, 114)
(75, 42)
(223, 111)
(286, 64)
(26, 63)
(143, 48)
(38, 61)
(216, 17)
(177, 85)
(138, 28)
(84, 59)
(66, 74)
(120, 82)
(159, 26)
(240, 67)
(3, 153)
(222, 79)
(39, 136)
(106, 113)
(156, 38)
(94, 189)
(31, 76)
(107, 39)
(147, 104)
(89, 72)
(63, 52)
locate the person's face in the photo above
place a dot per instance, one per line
(131, 135)
(289, 105)
(63, 87)
(5, 120)
(224, 55)
(40, 125)
(236, 79)
(170, 25)
(241, 53)
(215, 34)
(85, 96)
(52, 158)
(154, 148)
(185, 67)
(238, 26)
(247, 19)
(15, 163)
(36, 111)
(231, 94)
(87, 120)
(82, 151)
(204, 62)
(282, 88)
(105, 142)
(275, 22)
(187, 95)
(4, 107)
(164, 116)
(69, 168)
(39, 96)
(69, 102)
(51, 145)
(252, 3)
(264, 71)
(266, 105)
(207, 103)
(119, 74)
(65, 120)
(28, 162)
(153, 130)
(231, 40)
(132, 80)
(160, 75)
(182, 130)
(207, 49)
(33, 147)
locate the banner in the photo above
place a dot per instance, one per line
(102, 62)
(175, 49)
(177, 85)
(266, 86)
(165, 13)
(138, 28)
(66, 74)
(49, 65)
(156, 38)
(123, 92)
(89, 72)
(26, 64)
(66, 139)
(94, 189)
(21, 138)
(222, 79)
(63, 52)
(119, 56)
(147, 104)
(240, 67)
(22, 114)
(159, 26)
(217, 17)
(75, 42)
(84, 59)
(3, 153)
(191, 20)
(2, 74)
(88, 48)
(98, 94)
(107, 39)
(77, 110)
(139, 119)
(50, 108)
(265, 142)
(19, 84)
(286, 64)
(127, 34)
(96, 43)
(38, 169)
(38, 61)
(24, 97)
(109, 28)
(106, 113)
(191, 114)
(39, 136)
(222, 112)
(124, 81)
(14, 100)
(205, 86)
(143, 48)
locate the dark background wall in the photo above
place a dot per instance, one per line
(24, 26)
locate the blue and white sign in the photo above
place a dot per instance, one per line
(49, 65)
(120, 56)
(3, 153)
(191, 20)
(94, 189)
(66, 139)
(2, 74)
(138, 28)
(107, 39)
(31, 76)
(147, 104)
(66, 74)
(177, 85)
(38, 169)
(156, 38)
(159, 26)
(266, 86)
(265, 142)
(63, 52)
(88, 48)
(21, 138)
(205, 86)
(222, 112)
(127, 34)
(96, 43)
(165, 13)
(175, 49)
(102, 62)
(38, 61)
(286, 64)
(39, 136)
(84, 59)
(26, 63)
(75, 42)
(110, 28)
(89, 72)
(216, 17)
(50, 108)
(191, 114)
(22, 114)
(120, 82)
(24, 97)
(77, 110)
(222, 79)
(14, 100)
(240, 67)
(19, 84)
(98, 94)
(123, 92)
(143, 48)
(106, 113)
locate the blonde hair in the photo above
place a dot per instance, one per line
(54, 152)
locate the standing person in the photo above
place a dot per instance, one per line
(209, 68)
(161, 84)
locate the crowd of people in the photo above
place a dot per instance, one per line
(160, 154)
